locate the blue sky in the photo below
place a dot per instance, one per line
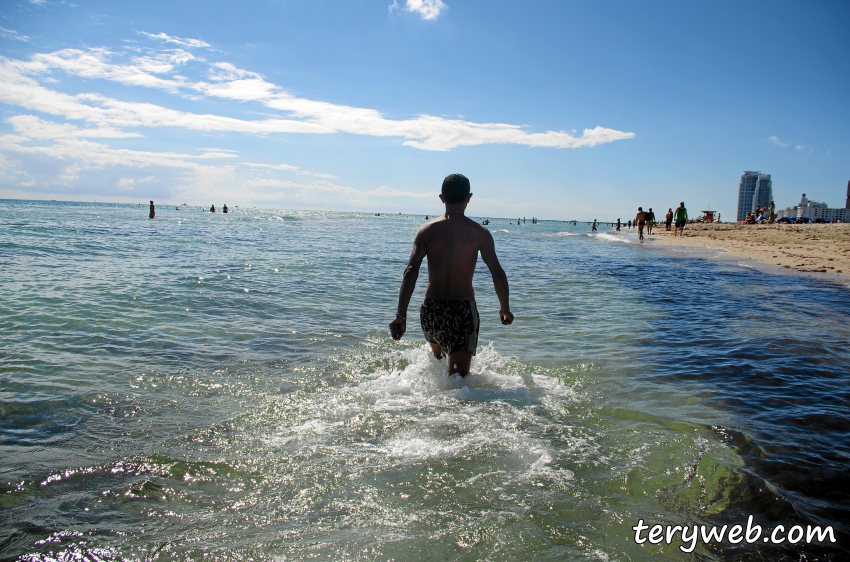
(561, 110)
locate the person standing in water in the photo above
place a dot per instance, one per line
(640, 221)
(451, 243)
(224, 209)
(152, 214)
(212, 209)
(618, 225)
(593, 228)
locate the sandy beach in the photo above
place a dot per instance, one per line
(820, 248)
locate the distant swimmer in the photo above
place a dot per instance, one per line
(212, 209)
(451, 243)
(426, 217)
(224, 209)
(640, 221)
(152, 213)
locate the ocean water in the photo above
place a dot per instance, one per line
(223, 387)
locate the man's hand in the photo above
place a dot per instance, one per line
(398, 327)
(506, 317)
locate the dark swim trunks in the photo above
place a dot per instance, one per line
(453, 325)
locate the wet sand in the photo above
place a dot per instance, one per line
(820, 248)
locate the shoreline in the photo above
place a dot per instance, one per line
(810, 248)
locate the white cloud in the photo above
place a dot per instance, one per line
(428, 9)
(299, 115)
(775, 140)
(289, 168)
(226, 71)
(32, 127)
(326, 194)
(12, 34)
(798, 147)
(192, 43)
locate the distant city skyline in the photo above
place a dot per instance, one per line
(559, 110)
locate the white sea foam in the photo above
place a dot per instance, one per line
(610, 237)
(409, 414)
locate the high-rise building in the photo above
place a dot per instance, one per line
(847, 201)
(754, 191)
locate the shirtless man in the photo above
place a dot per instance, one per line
(451, 243)
(640, 221)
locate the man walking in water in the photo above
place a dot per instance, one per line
(451, 243)
(640, 221)
(152, 213)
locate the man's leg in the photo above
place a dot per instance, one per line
(459, 362)
(437, 350)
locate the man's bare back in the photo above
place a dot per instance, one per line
(451, 243)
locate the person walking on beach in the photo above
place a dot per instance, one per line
(451, 243)
(650, 221)
(681, 219)
(152, 213)
(640, 221)
(669, 219)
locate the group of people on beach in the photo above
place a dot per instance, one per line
(759, 216)
(646, 219)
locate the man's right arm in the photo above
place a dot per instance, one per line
(408, 283)
(500, 278)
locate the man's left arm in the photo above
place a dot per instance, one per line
(500, 278)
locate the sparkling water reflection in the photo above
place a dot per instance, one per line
(224, 386)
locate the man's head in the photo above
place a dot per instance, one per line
(682, 204)
(640, 208)
(455, 189)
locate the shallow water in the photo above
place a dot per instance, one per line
(224, 386)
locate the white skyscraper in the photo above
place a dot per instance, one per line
(754, 191)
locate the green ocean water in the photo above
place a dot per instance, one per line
(223, 387)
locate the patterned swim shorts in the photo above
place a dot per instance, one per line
(453, 325)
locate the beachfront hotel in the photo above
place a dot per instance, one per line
(814, 210)
(754, 191)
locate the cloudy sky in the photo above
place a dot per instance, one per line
(563, 109)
